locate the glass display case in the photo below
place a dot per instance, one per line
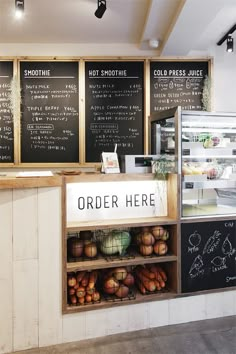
(202, 146)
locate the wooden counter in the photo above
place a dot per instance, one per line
(12, 182)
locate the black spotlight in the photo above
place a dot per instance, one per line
(230, 44)
(101, 8)
(19, 8)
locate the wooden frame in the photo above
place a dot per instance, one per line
(170, 261)
(81, 61)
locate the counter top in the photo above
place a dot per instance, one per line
(10, 181)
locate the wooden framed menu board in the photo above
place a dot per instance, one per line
(49, 111)
(114, 108)
(177, 83)
(6, 116)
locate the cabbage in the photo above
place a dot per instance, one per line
(116, 242)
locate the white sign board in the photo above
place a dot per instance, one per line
(116, 200)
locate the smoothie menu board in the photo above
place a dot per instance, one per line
(177, 83)
(6, 116)
(49, 112)
(208, 255)
(114, 110)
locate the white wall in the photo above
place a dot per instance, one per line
(31, 286)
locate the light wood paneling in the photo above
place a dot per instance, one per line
(25, 240)
(25, 304)
(49, 236)
(6, 271)
(30, 182)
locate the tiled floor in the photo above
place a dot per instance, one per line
(217, 336)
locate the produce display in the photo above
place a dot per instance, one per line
(81, 247)
(117, 282)
(82, 289)
(211, 170)
(152, 241)
(150, 278)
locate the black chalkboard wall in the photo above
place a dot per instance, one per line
(114, 108)
(177, 83)
(49, 112)
(208, 255)
(6, 117)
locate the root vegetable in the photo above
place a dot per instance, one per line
(148, 283)
(119, 273)
(80, 292)
(147, 238)
(122, 291)
(85, 280)
(90, 250)
(96, 296)
(129, 280)
(111, 285)
(80, 275)
(73, 299)
(71, 281)
(146, 250)
(160, 248)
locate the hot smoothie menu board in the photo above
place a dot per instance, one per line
(114, 108)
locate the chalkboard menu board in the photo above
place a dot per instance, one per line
(177, 83)
(114, 108)
(208, 255)
(49, 112)
(6, 117)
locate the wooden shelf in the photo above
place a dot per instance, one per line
(102, 263)
(139, 298)
(117, 223)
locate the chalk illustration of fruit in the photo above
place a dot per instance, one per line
(218, 261)
(195, 239)
(196, 266)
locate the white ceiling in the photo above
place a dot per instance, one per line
(181, 26)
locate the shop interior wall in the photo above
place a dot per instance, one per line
(30, 253)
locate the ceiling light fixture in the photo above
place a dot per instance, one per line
(101, 8)
(153, 43)
(229, 40)
(230, 44)
(19, 8)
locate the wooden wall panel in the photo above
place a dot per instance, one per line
(25, 241)
(6, 271)
(25, 304)
(49, 236)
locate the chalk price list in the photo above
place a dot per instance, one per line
(114, 109)
(6, 116)
(50, 115)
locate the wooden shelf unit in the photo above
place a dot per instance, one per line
(170, 261)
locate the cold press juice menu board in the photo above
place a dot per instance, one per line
(6, 116)
(114, 110)
(176, 83)
(49, 112)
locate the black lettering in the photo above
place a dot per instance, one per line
(81, 203)
(144, 200)
(114, 200)
(152, 199)
(136, 200)
(90, 202)
(98, 202)
(106, 203)
(128, 200)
